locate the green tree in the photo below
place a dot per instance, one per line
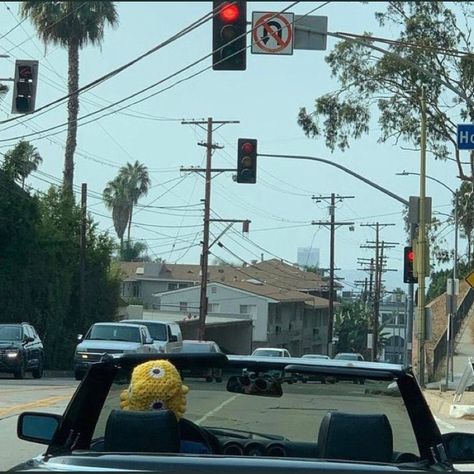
(20, 161)
(137, 182)
(39, 269)
(134, 252)
(352, 324)
(71, 25)
(371, 82)
(465, 203)
(115, 196)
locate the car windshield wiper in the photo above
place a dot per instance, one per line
(240, 433)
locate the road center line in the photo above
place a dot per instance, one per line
(215, 410)
(36, 404)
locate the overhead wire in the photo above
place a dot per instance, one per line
(194, 25)
(189, 66)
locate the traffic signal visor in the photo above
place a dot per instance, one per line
(229, 38)
(24, 89)
(409, 273)
(247, 160)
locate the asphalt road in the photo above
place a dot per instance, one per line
(296, 415)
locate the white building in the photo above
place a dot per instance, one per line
(308, 257)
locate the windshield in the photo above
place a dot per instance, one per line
(114, 333)
(10, 333)
(158, 331)
(295, 417)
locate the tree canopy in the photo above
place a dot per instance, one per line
(433, 45)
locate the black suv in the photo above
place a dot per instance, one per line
(21, 350)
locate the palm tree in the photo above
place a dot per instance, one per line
(72, 25)
(20, 161)
(138, 182)
(115, 196)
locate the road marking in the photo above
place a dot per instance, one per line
(444, 425)
(215, 410)
(31, 405)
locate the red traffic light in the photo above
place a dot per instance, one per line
(411, 255)
(229, 12)
(247, 147)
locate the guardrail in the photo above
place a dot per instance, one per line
(439, 352)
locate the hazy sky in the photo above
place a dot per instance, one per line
(265, 99)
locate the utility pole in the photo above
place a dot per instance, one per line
(82, 256)
(332, 228)
(422, 246)
(208, 125)
(377, 279)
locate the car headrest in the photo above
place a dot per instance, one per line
(354, 437)
(142, 431)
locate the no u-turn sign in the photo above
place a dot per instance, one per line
(272, 33)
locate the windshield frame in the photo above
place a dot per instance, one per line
(93, 391)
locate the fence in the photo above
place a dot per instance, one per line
(439, 352)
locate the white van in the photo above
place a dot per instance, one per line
(166, 336)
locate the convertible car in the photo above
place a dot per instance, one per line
(257, 424)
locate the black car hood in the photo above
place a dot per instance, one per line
(10, 345)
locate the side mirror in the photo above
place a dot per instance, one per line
(80, 337)
(254, 386)
(148, 340)
(173, 338)
(28, 339)
(37, 427)
(459, 447)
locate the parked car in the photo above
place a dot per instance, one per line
(271, 352)
(268, 352)
(351, 356)
(110, 338)
(316, 378)
(306, 431)
(202, 347)
(348, 356)
(21, 350)
(166, 336)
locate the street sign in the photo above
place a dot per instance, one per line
(470, 279)
(466, 136)
(272, 33)
(414, 210)
(311, 32)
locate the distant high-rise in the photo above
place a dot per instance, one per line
(308, 257)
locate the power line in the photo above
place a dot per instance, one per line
(147, 88)
(196, 24)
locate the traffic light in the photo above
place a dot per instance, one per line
(229, 22)
(24, 89)
(409, 275)
(247, 160)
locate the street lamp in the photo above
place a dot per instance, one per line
(455, 268)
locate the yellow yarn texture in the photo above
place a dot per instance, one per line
(155, 385)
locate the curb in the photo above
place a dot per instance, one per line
(440, 406)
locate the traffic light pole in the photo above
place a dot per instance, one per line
(204, 263)
(422, 246)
